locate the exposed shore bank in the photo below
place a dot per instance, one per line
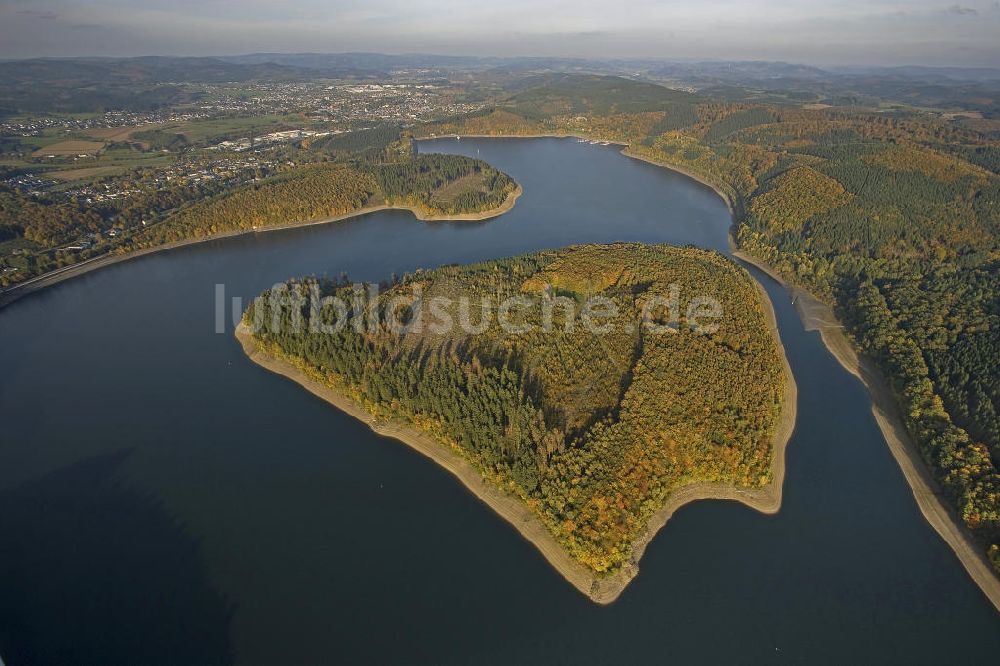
(600, 589)
(693, 175)
(818, 316)
(734, 206)
(60, 275)
(766, 500)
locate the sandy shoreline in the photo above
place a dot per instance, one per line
(509, 507)
(693, 175)
(600, 589)
(60, 275)
(817, 316)
(766, 500)
(543, 135)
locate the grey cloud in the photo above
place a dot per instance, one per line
(40, 14)
(831, 32)
(580, 34)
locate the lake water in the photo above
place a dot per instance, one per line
(164, 500)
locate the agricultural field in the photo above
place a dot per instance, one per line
(114, 134)
(205, 131)
(87, 173)
(70, 148)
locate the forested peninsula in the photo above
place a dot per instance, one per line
(337, 178)
(434, 187)
(585, 441)
(889, 220)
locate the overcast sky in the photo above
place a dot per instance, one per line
(885, 32)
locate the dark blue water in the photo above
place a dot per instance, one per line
(162, 499)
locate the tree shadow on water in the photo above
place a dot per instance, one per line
(92, 572)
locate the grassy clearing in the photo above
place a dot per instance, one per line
(446, 195)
